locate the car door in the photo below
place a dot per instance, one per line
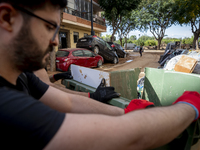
(90, 61)
(78, 59)
(106, 50)
(101, 45)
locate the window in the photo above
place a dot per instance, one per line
(78, 53)
(62, 53)
(76, 37)
(85, 34)
(88, 53)
(108, 46)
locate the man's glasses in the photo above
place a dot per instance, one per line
(32, 14)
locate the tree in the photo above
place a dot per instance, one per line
(155, 15)
(127, 24)
(115, 10)
(145, 38)
(133, 37)
(106, 37)
(188, 12)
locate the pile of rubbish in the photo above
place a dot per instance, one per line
(176, 59)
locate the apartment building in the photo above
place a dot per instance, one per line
(76, 22)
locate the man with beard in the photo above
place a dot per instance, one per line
(42, 117)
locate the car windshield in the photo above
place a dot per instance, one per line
(62, 53)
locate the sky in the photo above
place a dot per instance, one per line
(173, 32)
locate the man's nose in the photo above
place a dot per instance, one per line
(55, 41)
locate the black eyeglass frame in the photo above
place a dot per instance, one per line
(32, 14)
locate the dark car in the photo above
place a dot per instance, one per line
(119, 50)
(98, 46)
(78, 56)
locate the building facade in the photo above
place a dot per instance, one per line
(76, 22)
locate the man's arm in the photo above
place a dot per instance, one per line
(66, 102)
(142, 129)
(42, 74)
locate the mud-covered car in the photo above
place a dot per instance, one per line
(98, 46)
(119, 50)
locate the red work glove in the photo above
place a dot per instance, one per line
(192, 99)
(138, 104)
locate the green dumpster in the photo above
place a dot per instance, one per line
(124, 81)
(77, 86)
(163, 88)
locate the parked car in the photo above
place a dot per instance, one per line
(119, 50)
(129, 46)
(98, 46)
(136, 49)
(78, 56)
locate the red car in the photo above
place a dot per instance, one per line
(78, 56)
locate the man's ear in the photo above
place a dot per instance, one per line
(7, 16)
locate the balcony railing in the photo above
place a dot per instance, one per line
(85, 15)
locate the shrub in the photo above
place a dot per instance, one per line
(150, 43)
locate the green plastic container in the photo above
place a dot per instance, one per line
(163, 88)
(77, 86)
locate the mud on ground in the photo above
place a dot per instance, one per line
(133, 60)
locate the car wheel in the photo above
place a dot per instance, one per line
(115, 61)
(99, 63)
(96, 50)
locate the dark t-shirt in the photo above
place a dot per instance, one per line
(25, 122)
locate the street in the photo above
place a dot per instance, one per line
(133, 60)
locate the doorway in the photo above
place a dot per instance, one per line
(63, 40)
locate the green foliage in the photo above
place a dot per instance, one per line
(146, 37)
(129, 41)
(168, 40)
(150, 43)
(188, 40)
(156, 16)
(186, 10)
(133, 37)
(107, 38)
(115, 10)
(126, 25)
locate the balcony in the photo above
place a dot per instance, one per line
(86, 16)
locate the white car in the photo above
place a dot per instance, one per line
(136, 49)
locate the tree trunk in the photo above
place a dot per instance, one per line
(159, 43)
(126, 43)
(195, 41)
(120, 41)
(112, 38)
(52, 60)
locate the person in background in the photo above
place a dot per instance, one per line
(141, 50)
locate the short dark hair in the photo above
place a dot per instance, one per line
(36, 4)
